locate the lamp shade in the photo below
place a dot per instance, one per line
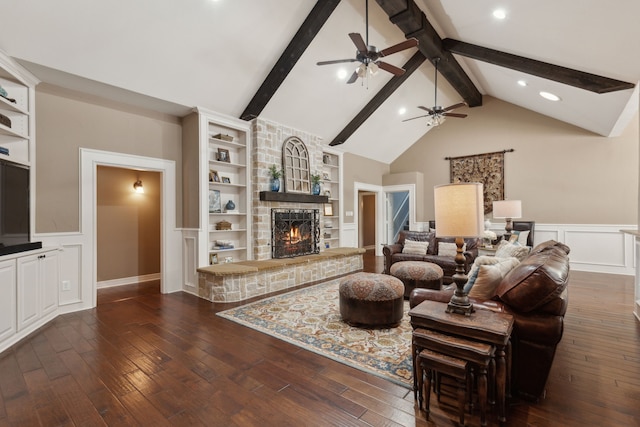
(459, 210)
(507, 209)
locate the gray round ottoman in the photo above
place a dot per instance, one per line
(417, 274)
(371, 299)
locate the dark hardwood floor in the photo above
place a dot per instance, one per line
(143, 358)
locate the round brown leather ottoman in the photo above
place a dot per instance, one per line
(417, 274)
(371, 299)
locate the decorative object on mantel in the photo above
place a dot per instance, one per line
(275, 177)
(315, 184)
(487, 168)
(222, 137)
(458, 212)
(223, 225)
(296, 160)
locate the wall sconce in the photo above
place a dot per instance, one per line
(459, 212)
(137, 186)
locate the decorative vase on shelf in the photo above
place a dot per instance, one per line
(275, 184)
(315, 189)
(230, 205)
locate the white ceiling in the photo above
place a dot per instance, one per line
(173, 55)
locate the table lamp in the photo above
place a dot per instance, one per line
(507, 209)
(459, 213)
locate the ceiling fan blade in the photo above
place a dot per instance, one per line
(409, 43)
(336, 61)
(418, 117)
(357, 39)
(453, 107)
(353, 77)
(390, 68)
(462, 116)
(429, 110)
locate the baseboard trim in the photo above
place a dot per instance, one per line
(128, 280)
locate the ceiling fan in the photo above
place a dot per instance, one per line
(437, 113)
(369, 56)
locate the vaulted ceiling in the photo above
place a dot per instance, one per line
(258, 57)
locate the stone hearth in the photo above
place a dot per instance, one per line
(246, 279)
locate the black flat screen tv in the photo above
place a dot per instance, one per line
(15, 233)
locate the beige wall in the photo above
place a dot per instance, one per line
(67, 121)
(128, 224)
(562, 174)
(359, 169)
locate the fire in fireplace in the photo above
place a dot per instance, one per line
(294, 232)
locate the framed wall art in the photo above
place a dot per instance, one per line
(215, 205)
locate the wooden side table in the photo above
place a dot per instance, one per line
(483, 326)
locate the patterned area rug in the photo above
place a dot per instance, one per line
(310, 318)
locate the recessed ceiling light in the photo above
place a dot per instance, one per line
(550, 96)
(402, 111)
(499, 14)
(522, 83)
(342, 74)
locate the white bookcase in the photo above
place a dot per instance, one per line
(19, 138)
(332, 187)
(223, 175)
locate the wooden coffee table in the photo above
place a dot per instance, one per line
(483, 326)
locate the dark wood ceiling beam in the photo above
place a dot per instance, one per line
(568, 76)
(407, 16)
(301, 40)
(412, 65)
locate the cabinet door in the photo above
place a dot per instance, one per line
(28, 290)
(7, 299)
(49, 282)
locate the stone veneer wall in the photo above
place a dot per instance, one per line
(268, 138)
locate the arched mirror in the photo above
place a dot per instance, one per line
(296, 166)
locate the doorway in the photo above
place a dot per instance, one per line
(127, 232)
(171, 279)
(367, 220)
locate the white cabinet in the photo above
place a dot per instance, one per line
(224, 174)
(18, 107)
(37, 287)
(7, 299)
(332, 187)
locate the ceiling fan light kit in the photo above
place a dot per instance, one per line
(369, 56)
(436, 114)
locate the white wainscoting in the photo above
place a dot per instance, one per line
(190, 260)
(596, 248)
(349, 235)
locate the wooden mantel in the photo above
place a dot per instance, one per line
(274, 196)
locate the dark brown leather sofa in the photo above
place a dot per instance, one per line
(393, 253)
(535, 293)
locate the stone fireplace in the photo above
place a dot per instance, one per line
(294, 232)
(266, 150)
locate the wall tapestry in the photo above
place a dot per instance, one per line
(486, 168)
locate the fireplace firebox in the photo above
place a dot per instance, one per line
(294, 232)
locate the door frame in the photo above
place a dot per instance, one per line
(381, 211)
(170, 251)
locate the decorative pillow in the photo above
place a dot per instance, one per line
(489, 277)
(473, 272)
(449, 249)
(415, 247)
(507, 250)
(523, 236)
